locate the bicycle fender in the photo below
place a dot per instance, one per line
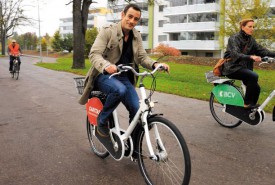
(154, 115)
(227, 94)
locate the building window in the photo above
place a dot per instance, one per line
(161, 7)
(197, 36)
(161, 22)
(174, 36)
(143, 22)
(178, 19)
(144, 37)
(203, 17)
(177, 2)
(162, 38)
(184, 53)
(209, 54)
(201, 1)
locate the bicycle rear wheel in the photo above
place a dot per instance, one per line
(173, 165)
(95, 144)
(223, 118)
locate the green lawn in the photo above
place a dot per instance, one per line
(184, 79)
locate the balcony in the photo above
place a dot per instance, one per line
(193, 27)
(194, 44)
(191, 9)
(64, 24)
(117, 16)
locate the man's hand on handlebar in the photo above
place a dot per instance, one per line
(111, 69)
(165, 67)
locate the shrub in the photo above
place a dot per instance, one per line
(166, 50)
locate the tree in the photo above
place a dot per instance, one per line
(11, 16)
(27, 41)
(56, 41)
(166, 50)
(90, 39)
(80, 21)
(67, 42)
(44, 44)
(240, 9)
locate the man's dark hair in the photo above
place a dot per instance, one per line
(134, 6)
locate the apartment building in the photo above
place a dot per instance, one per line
(188, 25)
(96, 18)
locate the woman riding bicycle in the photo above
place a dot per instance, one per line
(243, 51)
(14, 51)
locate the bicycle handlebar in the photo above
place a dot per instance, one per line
(267, 60)
(122, 68)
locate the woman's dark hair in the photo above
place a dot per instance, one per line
(134, 6)
(244, 22)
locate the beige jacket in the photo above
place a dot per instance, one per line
(107, 50)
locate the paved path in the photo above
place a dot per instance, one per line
(43, 137)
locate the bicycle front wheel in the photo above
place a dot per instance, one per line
(16, 72)
(95, 144)
(13, 72)
(223, 118)
(173, 164)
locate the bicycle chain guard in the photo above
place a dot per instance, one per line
(93, 108)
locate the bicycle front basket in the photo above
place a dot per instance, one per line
(79, 84)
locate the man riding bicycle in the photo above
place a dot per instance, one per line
(14, 51)
(118, 43)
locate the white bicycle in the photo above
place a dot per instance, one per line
(157, 144)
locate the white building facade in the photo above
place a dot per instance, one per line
(189, 25)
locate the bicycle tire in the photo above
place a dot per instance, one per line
(223, 118)
(175, 167)
(13, 71)
(16, 71)
(95, 144)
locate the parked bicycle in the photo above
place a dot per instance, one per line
(159, 147)
(227, 103)
(15, 68)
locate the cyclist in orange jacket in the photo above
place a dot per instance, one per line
(14, 50)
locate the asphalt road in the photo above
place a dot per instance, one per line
(43, 137)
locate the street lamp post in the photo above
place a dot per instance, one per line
(40, 47)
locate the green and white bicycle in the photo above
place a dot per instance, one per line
(227, 103)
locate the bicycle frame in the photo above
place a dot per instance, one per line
(143, 111)
(267, 100)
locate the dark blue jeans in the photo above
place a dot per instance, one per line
(250, 79)
(118, 89)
